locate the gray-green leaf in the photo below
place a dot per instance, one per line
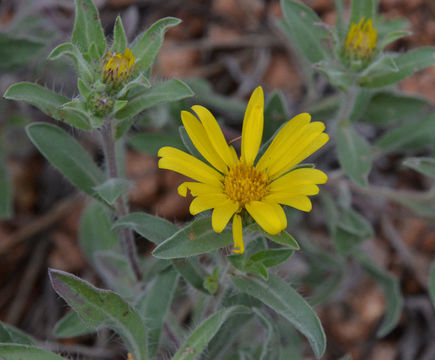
(102, 308)
(112, 189)
(423, 165)
(407, 64)
(24, 352)
(87, 28)
(354, 154)
(196, 238)
(282, 298)
(167, 91)
(66, 155)
(202, 335)
(47, 101)
(305, 30)
(70, 326)
(147, 45)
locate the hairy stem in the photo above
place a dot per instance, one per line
(121, 206)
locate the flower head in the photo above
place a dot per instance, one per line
(361, 40)
(230, 184)
(118, 67)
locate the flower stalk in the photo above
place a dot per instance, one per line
(121, 206)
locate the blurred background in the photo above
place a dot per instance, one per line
(232, 46)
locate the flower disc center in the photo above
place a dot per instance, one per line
(244, 183)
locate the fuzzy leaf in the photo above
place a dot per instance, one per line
(112, 189)
(391, 287)
(47, 101)
(282, 298)
(95, 234)
(17, 51)
(87, 28)
(153, 228)
(432, 282)
(423, 165)
(102, 308)
(147, 45)
(119, 37)
(167, 91)
(24, 352)
(5, 190)
(10, 334)
(407, 64)
(304, 30)
(70, 326)
(196, 238)
(154, 305)
(66, 155)
(202, 335)
(360, 9)
(354, 155)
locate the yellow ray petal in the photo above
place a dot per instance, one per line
(222, 214)
(197, 189)
(288, 133)
(199, 138)
(252, 130)
(270, 216)
(214, 133)
(301, 189)
(296, 178)
(203, 203)
(302, 203)
(239, 247)
(183, 163)
(285, 158)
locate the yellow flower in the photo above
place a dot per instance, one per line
(118, 67)
(129, 356)
(232, 184)
(361, 40)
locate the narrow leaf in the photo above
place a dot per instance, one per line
(201, 336)
(391, 288)
(282, 298)
(154, 305)
(95, 234)
(354, 154)
(24, 352)
(66, 155)
(407, 64)
(415, 134)
(17, 51)
(271, 257)
(361, 9)
(147, 45)
(10, 334)
(196, 238)
(153, 228)
(87, 28)
(47, 101)
(192, 272)
(119, 37)
(71, 326)
(102, 308)
(386, 108)
(305, 30)
(172, 90)
(112, 189)
(423, 165)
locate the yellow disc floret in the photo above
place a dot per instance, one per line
(361, 40)
(118, 67)
(244, 183)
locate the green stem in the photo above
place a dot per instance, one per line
(347, 105)
(121, 205)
